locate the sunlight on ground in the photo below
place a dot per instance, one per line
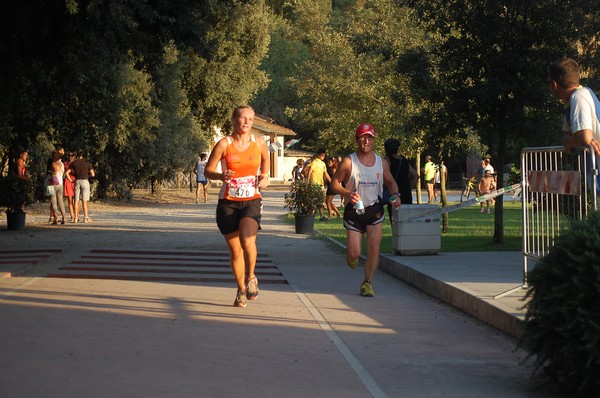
(182, 302)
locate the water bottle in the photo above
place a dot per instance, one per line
(360, 207)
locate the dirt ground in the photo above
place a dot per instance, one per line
(142, 199)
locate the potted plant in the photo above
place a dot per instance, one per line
(304, 200)
(15, 194)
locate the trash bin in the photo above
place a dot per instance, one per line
(418, 236)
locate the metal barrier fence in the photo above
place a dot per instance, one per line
(557, 188)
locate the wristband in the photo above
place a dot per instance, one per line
(265, 175)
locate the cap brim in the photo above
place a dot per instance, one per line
(365, 133)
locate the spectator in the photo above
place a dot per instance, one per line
(83, 170)
(487, 165)
(404, 174)
(429, 172)
(317, 174)
(57, 171)
(201, 180)
(330, 193)
(486, 185)
(582, 107)
(69, 187)
(21, 165)
(297, 170)
(50, 175)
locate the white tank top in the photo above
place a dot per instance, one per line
(367, 181)
(59, 175)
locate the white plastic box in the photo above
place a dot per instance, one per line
(419, 236)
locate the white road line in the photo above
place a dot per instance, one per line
(354, 363)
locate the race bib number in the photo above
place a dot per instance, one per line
(243, 187)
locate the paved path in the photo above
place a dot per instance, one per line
(311, 336)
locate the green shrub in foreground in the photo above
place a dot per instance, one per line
(562, 324)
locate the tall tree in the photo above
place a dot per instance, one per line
(226, 72)
(286, 55)
(352, 74)
(490, 65)
(84, 72)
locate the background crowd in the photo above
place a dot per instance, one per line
(67, 176)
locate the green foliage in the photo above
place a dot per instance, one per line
(514, 175)
(174, 142)
(225, 73)
(562, 324)
(351, 76)
(15, 192)
(489, 66)
(304, 198)
(487, 70)
(139, 85)
(286, 54)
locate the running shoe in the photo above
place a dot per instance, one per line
(366, 290)
(252, 289)
(352, 262)
(240, 299)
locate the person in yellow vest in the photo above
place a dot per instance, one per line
(429, 175)
(317, 174)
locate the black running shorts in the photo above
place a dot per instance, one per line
(230, 212)
(373, 215)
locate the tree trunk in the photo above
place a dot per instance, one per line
(418, 166)
(444, 197)
(499, 205)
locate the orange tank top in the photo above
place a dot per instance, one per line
(243, 185)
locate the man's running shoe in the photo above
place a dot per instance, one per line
(252, 288)
(352, 262)
(240, 299)
(366, 290)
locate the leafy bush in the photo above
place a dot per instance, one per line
(562, 324)
(15, 192)
(304, 198)
(513, 174)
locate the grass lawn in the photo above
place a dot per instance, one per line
(468, 230)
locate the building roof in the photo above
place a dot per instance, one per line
(298, 153)
(266, 125)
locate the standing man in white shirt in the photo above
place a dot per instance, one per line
(581, 125)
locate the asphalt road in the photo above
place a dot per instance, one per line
(308, 334)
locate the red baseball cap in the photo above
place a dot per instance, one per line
(365, 128)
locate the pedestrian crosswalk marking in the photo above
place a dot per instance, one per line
(15, 262)
(168, 266)
(29, 256)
